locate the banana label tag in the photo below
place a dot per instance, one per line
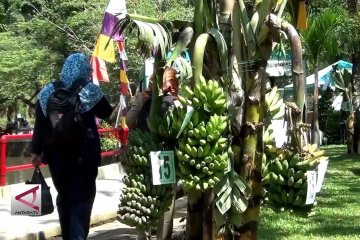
(311, 187)
(163, 167)
(187, 118)
(321, 174)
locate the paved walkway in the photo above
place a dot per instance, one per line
(108, 186)
(117, 231)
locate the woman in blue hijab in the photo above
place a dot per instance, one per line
(73, 168)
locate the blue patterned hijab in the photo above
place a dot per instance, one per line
(76, 68)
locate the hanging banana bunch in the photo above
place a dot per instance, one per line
(141, 203)
(274, 105)
(202, 152)
(285, 178)
(208, 95)
(170, 124)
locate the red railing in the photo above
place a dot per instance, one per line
(119, 133)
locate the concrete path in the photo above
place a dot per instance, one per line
(117, 231)
(108, 186)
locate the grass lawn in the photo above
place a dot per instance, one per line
(337, 215)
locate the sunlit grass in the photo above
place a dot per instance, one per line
(337, 215)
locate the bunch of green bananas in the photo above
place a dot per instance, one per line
(269, 135)
(285, 176)
(139, 148)
(170, 124)
(202, 152)
(141, 203)
(274, 105)
(208, 95)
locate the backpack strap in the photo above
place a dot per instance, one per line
(58, 84)
(78, 85)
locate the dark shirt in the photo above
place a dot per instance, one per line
(89, 152)
(144, 114)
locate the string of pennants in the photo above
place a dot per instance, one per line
(104, 51)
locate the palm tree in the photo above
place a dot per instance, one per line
(320, 29)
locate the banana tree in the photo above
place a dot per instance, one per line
(234, 54)
(254, 38)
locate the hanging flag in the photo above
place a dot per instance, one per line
(123, 77)
(115, 11)
(99, 70)
(302, 18)
(124, 81)
(122, 53)
(104, 49)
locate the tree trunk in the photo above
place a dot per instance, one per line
(315, 131)
(156, 98)
(235, 89)
(352, 6)
(298, 79)
(208, 233)
(350, 132)
(356, 100)
(251, 161)
(194, 218)
(165, 225)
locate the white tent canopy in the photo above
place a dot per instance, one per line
(324, 77)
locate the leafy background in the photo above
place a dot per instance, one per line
(36, 36)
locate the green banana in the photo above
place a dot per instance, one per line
(200, 152)
(192, 142)
(189, 92)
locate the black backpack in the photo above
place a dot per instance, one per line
(65, 123)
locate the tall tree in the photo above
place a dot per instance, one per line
(354, 8)
(321, 29)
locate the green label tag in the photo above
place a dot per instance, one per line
(163, 167)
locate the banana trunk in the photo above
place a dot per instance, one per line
(194, 218)
(251, 161)
(298, 79)
(156, 98)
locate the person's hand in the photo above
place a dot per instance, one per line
(36, 160)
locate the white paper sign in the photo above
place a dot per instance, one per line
(163, 167)
(321, 174)
(311, 187)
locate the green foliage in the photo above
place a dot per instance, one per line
(329, 36)
(24, 68)
(329, 119)
(316, 7)
(37, 35)
(320, 29)
(108, 142)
